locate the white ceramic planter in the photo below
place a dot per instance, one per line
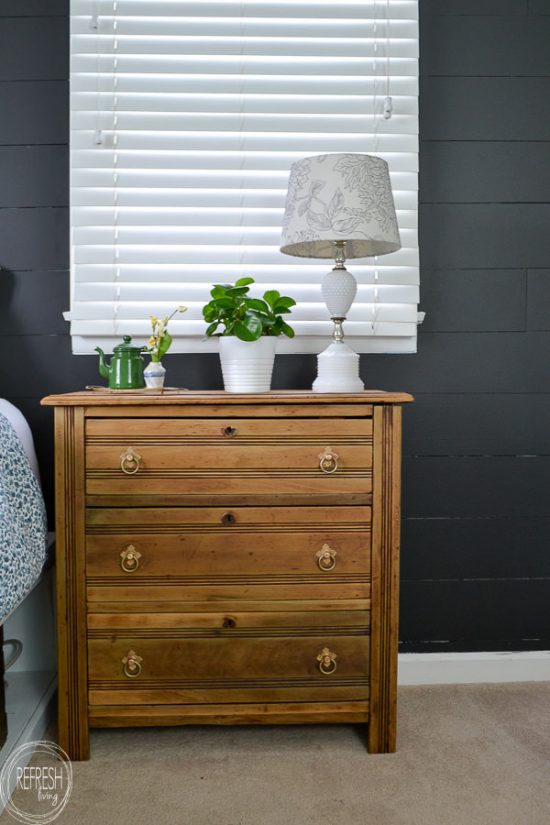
(247, 365)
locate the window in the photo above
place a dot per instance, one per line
(185, 118)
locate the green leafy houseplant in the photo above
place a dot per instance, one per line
(244, 317)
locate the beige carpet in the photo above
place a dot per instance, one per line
(468, 755)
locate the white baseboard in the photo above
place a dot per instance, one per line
(467, 668)
(30, 706)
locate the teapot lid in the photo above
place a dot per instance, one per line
(126, 346)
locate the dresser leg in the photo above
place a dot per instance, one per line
(385, 579)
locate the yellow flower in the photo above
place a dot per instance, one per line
(152, 341)
(154, 320)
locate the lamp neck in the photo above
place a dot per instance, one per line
(339, 254)
(338, 334)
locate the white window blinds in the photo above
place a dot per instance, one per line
(185, 118)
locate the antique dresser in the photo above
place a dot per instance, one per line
(227, 559)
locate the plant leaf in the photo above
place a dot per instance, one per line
(257, 304)
(209, 312)
(244, 281)
(210, 330)
(223, 303)
(249, 329)
(164, 345)
(237, 291)
(272, 296)
(218, 291)
(288, 331)
(285, 302)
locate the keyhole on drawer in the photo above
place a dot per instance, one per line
(229, 432)
(229, 622)
(229, 518)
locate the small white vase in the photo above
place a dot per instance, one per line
(247, 365)
(154, 374)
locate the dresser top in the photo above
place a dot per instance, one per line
(182, 397)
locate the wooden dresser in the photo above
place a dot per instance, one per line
(227, 559)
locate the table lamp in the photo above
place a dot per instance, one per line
(339, 206)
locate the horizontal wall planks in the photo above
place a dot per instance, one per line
(476, 487)
(37, 297)
(477, 235)
(481, 424)
(484, 171)
(47, 55)
(470, 548)
(34, 176)
(480, 377)
(475, 7)
(485, 108)
(463, 300)
(538, 299)
(484, 46)
(49, 230)
(454, 611)
(462, 362)
(34, 112)
(34, 8)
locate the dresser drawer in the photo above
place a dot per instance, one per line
(228, 457)
(246, 651)
(185, 555)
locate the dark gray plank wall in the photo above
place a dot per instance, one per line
(476, 528)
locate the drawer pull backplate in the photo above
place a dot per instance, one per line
(328, 460)
(131, 664)
(327, 661)
(129, 559)
(130, 461)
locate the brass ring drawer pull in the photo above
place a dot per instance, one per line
(326, 558)
(129, 559)
(130, 461)
(328, 460)
(327, 661)
(230, 432)
(131, 665)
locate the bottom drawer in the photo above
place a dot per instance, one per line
(186, 665)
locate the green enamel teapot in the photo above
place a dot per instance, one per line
(125, 372)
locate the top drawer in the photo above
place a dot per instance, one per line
(220, 456)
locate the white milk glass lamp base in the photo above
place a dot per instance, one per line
(338, 370)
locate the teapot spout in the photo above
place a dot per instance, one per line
(103, 368)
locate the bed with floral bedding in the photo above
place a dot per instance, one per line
(23, 526)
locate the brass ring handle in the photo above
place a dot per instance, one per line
(328, 460)
(229, 432)
(131, 665)
(327, 661)
(130, 461)
(326, 558)
(129, 559)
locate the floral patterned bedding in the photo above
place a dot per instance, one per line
(23, 526)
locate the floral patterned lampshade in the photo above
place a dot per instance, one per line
(341, 197)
